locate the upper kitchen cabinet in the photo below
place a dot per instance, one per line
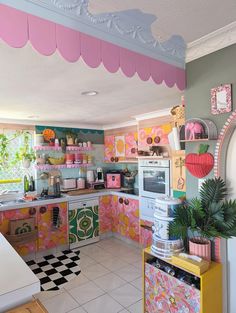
(155, 135)
(121, 145)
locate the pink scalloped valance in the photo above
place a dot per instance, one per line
(17, 28)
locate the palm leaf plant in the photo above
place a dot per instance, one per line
(209, 216)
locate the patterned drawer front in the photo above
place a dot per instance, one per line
(166, 294)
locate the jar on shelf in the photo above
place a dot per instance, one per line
(85, 159)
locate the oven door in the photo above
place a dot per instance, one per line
(154, 181)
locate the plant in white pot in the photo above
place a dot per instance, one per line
(205, 218)
(25, 154)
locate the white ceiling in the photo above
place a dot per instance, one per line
(191, 19)
(50, 88)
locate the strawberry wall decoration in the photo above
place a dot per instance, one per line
(200, 164)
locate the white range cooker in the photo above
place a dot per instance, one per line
(154, 182)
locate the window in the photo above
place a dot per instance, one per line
(14, 171)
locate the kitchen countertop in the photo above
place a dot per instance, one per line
(67, 198)
(17, 282)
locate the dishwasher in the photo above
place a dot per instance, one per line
(83, 222)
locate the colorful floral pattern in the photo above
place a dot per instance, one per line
(109, 143)
(49, 237)
(131, 145)
(6, 216)
(146, 234)
(166, 294)
(105, 216)
(153, 133)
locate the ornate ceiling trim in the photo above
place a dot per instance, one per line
(219, 39)
(18, 27)
(129, 29)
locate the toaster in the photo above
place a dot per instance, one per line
(69, 183)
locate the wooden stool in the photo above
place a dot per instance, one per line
(30, 307)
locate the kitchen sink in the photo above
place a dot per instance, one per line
(11, 202)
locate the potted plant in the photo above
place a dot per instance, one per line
(70, 138)
(207, 217)
(25, 154)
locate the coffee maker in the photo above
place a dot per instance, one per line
(100, 175)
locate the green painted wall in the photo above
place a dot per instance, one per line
(203, 74)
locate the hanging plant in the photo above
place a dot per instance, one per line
(4, 149)
(25, 154)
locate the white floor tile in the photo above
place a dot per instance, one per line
(86, 292)
(60, 304)
(126, 295)
(114, 263)
(44, 295)
(101, 256)
(128, 273)
(124, 311)
(109, 282)
(78, 310)
(138, 283)
(77, 281)
(136, 307)
(103, 304)
(94, 271)
(85, 261)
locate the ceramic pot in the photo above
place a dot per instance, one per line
(201, 247)
(26, 163)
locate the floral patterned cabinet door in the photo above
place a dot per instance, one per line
(6, 216)
(105, 214)
(50, 235)
(166, 294)
(131, 145)
(109, 153)
(152, 136)
(145, 233)
(131, 218)
(114, 213)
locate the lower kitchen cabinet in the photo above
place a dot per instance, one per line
(105, 214)
(125, 217)
(83, 223)
(184, 292)
(24, 213)
(50, 220)
(52, 226)
(145, 233)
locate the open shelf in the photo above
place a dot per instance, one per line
(46, 167)
(68, 148)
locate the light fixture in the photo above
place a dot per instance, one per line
(33, 117)
(89, 93)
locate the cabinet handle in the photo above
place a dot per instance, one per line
(43, 210)
(149, 140)
(32, 211)
(112, 159)
(126, 202)
(121, 200)
(157, 139)
(116, 159)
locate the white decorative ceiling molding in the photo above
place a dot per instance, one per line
(130, 29)
(219, 39)
(159, 113)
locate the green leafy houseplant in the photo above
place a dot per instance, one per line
(25, 154)
(210, 216)
(4, 149)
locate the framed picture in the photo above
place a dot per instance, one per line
(221, 99)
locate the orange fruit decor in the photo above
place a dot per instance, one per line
(48, 134)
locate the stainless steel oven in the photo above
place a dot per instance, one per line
(154, 178)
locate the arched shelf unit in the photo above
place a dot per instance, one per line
(198, 129)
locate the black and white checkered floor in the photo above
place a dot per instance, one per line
(54, 271)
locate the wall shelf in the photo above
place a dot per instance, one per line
(68, 148)
(46, 167)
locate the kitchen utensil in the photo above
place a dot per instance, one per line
(90, 176)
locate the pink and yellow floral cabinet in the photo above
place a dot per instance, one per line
(131, 145)
(105, 214)
(48, 236)
(156, 135)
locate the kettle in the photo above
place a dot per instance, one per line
(90, 176)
